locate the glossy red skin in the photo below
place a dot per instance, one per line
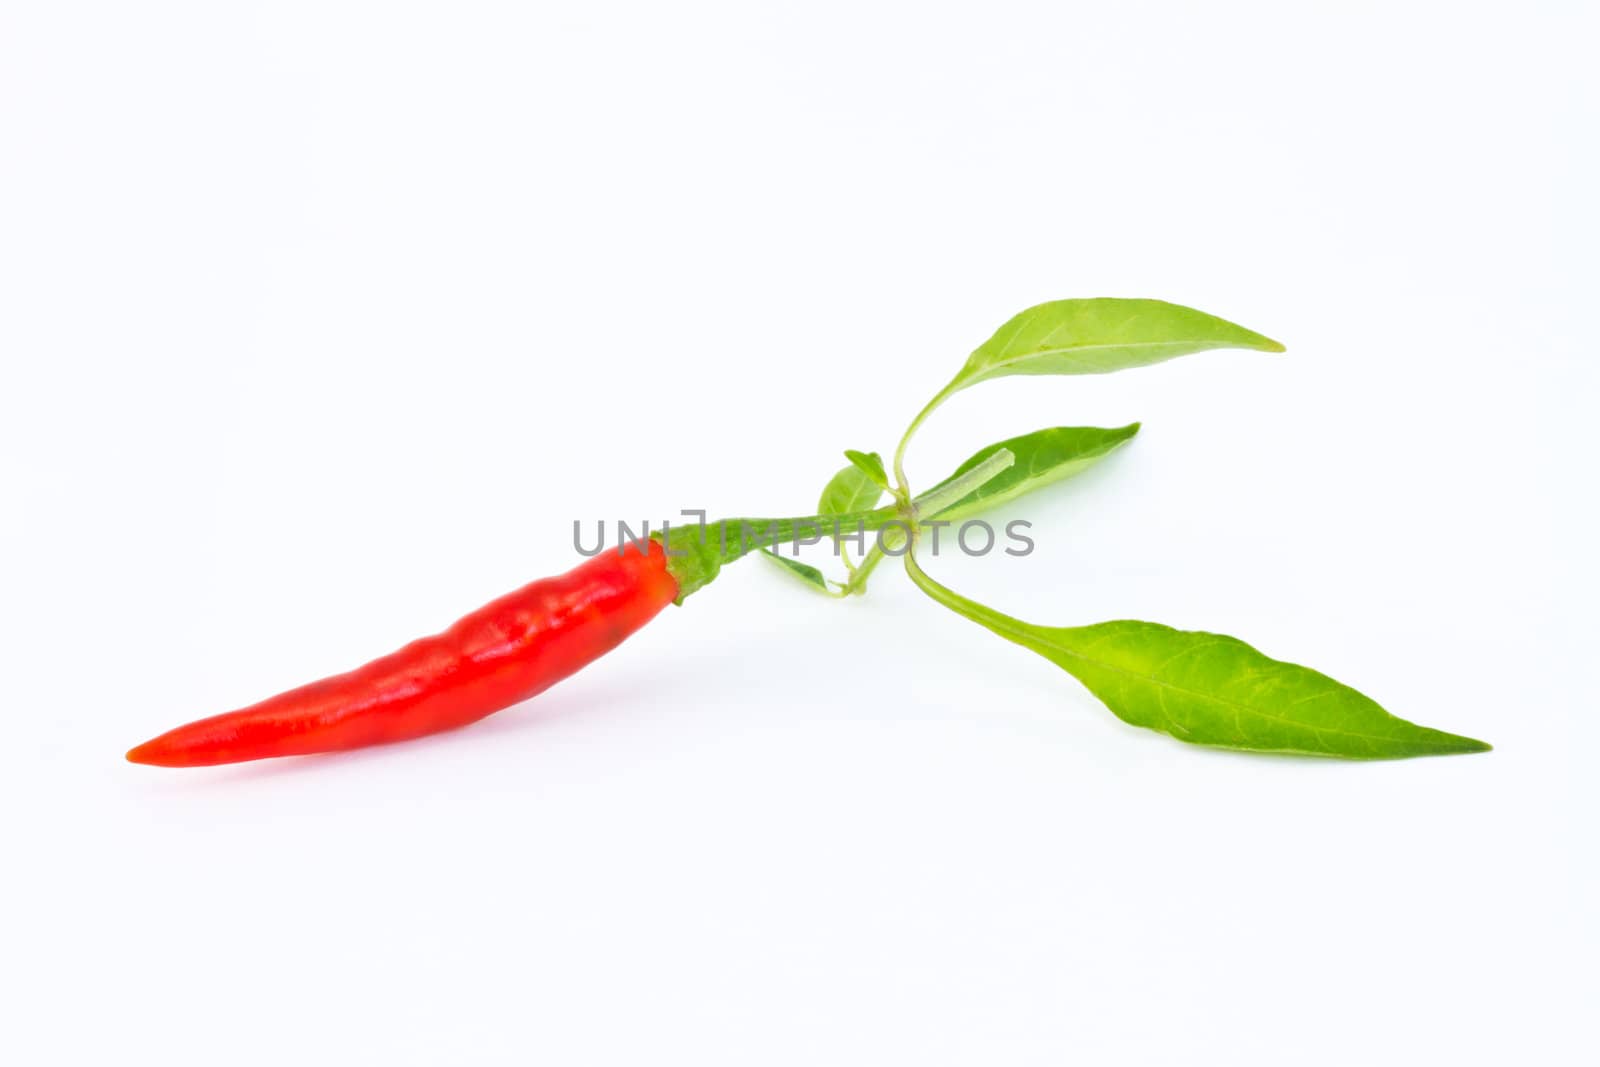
(501, 654)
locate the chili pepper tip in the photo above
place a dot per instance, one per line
(151, 755)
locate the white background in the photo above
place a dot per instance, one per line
(321, 322)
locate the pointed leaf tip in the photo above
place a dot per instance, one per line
(870, 464)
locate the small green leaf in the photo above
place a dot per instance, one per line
(849, 491)
(1100, 336)
(804, 571)
(1043, 457)
(870, 464)
(1212, 690)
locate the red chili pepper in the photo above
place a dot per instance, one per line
(504, 652)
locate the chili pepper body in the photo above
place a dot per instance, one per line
(503, 653)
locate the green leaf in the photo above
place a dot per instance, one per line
(849, 491)
(870, 464)
(1100, 336)
(1212, 690)
(1088, 337)
(1043, 457)
(804, 571)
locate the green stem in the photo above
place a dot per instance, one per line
(696, 554)
(996, 622)
(931, 503)
(900, 449)
(859, 576)
(942, 496)
(999, 622)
